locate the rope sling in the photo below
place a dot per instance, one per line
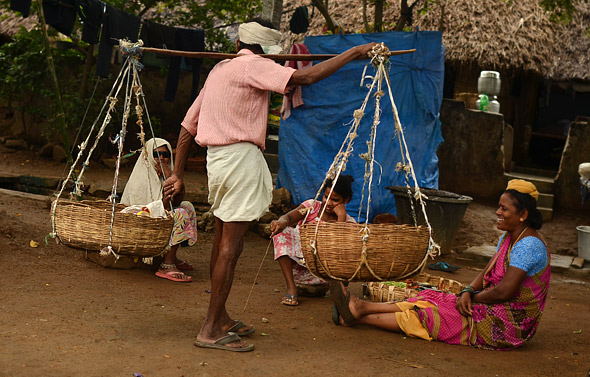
(369, 252)
(99, 225)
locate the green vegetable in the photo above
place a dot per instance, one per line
(398, 284)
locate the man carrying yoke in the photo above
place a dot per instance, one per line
(229, 117)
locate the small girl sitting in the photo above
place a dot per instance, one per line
(287, 242)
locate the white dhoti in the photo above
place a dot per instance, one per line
(240, 184)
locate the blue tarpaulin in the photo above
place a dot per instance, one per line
(311, 137)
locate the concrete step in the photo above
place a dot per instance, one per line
(543, 184)
(534, 171)
(545, 200)
(547, 213)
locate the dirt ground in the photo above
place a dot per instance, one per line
(63, 315)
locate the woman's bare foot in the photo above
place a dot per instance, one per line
(170, 272)
(353, 305)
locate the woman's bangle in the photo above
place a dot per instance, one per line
(468, 288)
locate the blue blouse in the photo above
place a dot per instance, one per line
(529, 254)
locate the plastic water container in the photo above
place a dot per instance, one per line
(486, 103)
(584, 242)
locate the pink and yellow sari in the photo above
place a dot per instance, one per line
(496, 326)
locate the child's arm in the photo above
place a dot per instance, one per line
(289, 219)
(340, 211)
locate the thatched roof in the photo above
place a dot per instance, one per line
(572, 51)
(10, 22)
(491, 34)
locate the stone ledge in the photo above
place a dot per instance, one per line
(559, 263)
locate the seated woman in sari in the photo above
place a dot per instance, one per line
(145, 186)
(287, 244)
(502, 306)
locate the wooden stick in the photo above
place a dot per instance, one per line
(278, 57)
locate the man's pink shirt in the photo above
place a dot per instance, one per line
(233, 104)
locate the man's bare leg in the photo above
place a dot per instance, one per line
(227, 247)
(224, 317)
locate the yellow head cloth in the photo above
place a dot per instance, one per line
(524, 187)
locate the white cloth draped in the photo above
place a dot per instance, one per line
(144, 186)
(240, 184)
(254, 33)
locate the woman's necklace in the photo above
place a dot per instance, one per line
(493, 264)
(517, 238)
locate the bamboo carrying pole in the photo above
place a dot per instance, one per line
(277, 57)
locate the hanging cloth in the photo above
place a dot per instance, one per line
(23, 6)
(293, 95)
(60, 14)
(91, 13)
(299, 21)
(158, 36)
(117, 25)
(185, 40)
(144, 186)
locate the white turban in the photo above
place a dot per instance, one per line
(253, 33)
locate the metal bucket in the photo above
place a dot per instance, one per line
(584, 242)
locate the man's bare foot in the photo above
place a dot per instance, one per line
(228, 342)
(238, 327)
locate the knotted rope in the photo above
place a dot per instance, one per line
(379, 56)
(128, 76)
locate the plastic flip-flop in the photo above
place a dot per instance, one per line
(172, 275)
(290, 300)
(221, 344)
(240, 325)
(341, 299)
(335, 315)
(443, 266)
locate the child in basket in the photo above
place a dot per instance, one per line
(287, 243)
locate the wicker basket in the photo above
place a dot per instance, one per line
(87, 224)
(393, 251)
(380, 292)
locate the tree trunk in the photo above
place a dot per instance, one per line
(323, 8)
(86, 72)
(441, 24)
(271, 10)
(378, 16)
(365, 21)
(405, 14)
(51, 67)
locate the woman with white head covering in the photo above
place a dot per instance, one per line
(145, 186)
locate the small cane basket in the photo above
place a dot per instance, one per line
(87, 225)
(388, 251)
(388, 292)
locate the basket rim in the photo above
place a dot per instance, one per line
(91, 204)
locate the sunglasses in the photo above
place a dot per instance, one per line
(165, 154)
